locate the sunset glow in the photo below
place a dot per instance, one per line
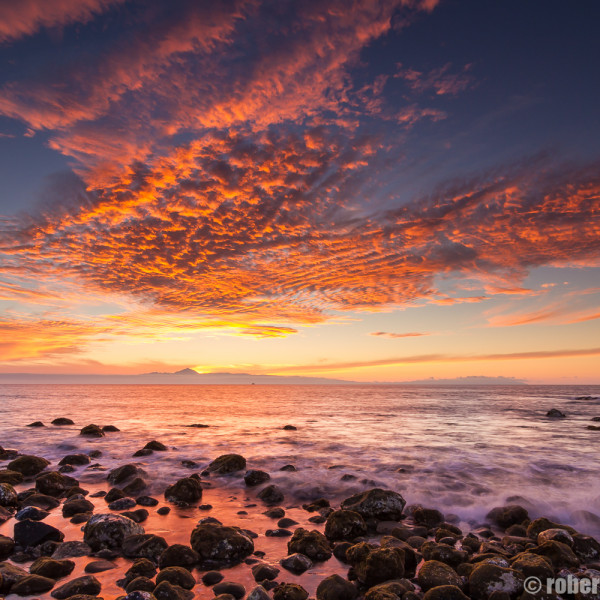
(375, 191)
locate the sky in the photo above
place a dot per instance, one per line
(378, 190)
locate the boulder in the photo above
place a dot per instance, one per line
(62, 421)
(310, 543)
(109, 531)
(156, 446)
(144, 545)
(32, 584)
(261, 572)
(486, 579)
(445, 592)
(186, 490)
(505, 516)
(9, 575)
(8, 495)
(374, 565)
(123, 473)
(12, 477)
(434, 573)
(51, 567)
(41, 501)
(33, 533)
(87, 584)
(178, 555)
(28, 465)
(218, 545)
(271, 495)
(296, 563)
(560, 554)
(92, 431)
(554, 413)
(344, 525)
(256, 477)
(7, 545)
(237, 590)
(227, 463)
(75, 506)
(177, 576)
(289, 591)
(376, 503)
(428, 517)
(75, 460)
(335, 587)
(54, 483)
(258, 593)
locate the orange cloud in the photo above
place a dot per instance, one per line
(398, 335)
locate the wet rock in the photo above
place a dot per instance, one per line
(373, 565)
(163, 510)
(142, 452)
(289, 428)
(311, 543)
(54, 484)
(51, 567)
(87, 584)
(542, 524)
(376, 503)
(8, 495)
(33, 533)
(220, 545)
(92, 431)
(486, 579)
(122, 504)
(554, 413)
(345, 525)
(428, 517)
(114, 494)
(9, 575)
(144, 545)
(258, 593)
(586, 547)
(75, 459)
(135, 595)
(5, 514)
(211, 577)
(32, 584)
(140, 584)
(139, 516)
(237, 590)
(275, 513)
(560, 554)
(434, 573)
(392, 590)
(227, 463)
(443, 553)
(278, 532)
(505, 516)
(178, 555)
(445, 592)
(71, 550)
(557, 535)
(141, 567)
(167, 591)
(123, 473)
(289, 591)
(290, 468)
(146, 501)
(110, 429)
(335, 587)
(41, 501)
(109, 531)
(28, 465)
(256, 477)
(156, 446)
(135, 487)
(62, 421)
(7, 546)
(76, 506)
(271, 495)
(99, 566)
(261, 572)
(185, 490)
(12, 477)
(296, 563)
(532, 565)
(36, 424)
(177, 576)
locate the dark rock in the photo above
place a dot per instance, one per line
(109, 531)
(33, 533)
(445, 592)
(335, 587)
(99, 566)
(275, 513)
(7, 546)
(316, 505)
(538, 525)
(289, 591)
(140, 584)
(92, 431)
(227, 463)
(271, 495)
(163, 510)
(178, 555)
(123, 473)
(505, 516)
(311, 543)
(114, 494)
(135, 487)
(71, 550)
(211, 577)
(373, 565)
(51, 567)
(32, 584)
(286, 522)
(122, 504)
(76, 506)
(290, 468)
(255, 477)
(62, 421)
(142, 452)
(144, 545)
(555, 414)
(443, 553)
(8, 495)
(557, 535)
(36, 424)
(12, 477)
(41, 501)
(220, 545)
(258, 593)
(135, 595)
(139, 516)
(532, 565)
(296, 563)
(586, 547)
(429, 517)
(261, 572)
(289, 428)
(376, 503)
(486, 579)
(177, 576)
(156, 446)
(560, 554)
(167, 591)
(110, 429)
(87, 584)
(278, 533)
(146, 501)
(434, 573)
(9, 575)
(54, 484)
(185, 490)
(75, 459)
(28, 465)
(237, 590)
(141, 567)
(391, 590)
(345, 525)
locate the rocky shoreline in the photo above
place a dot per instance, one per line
(109, 537)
